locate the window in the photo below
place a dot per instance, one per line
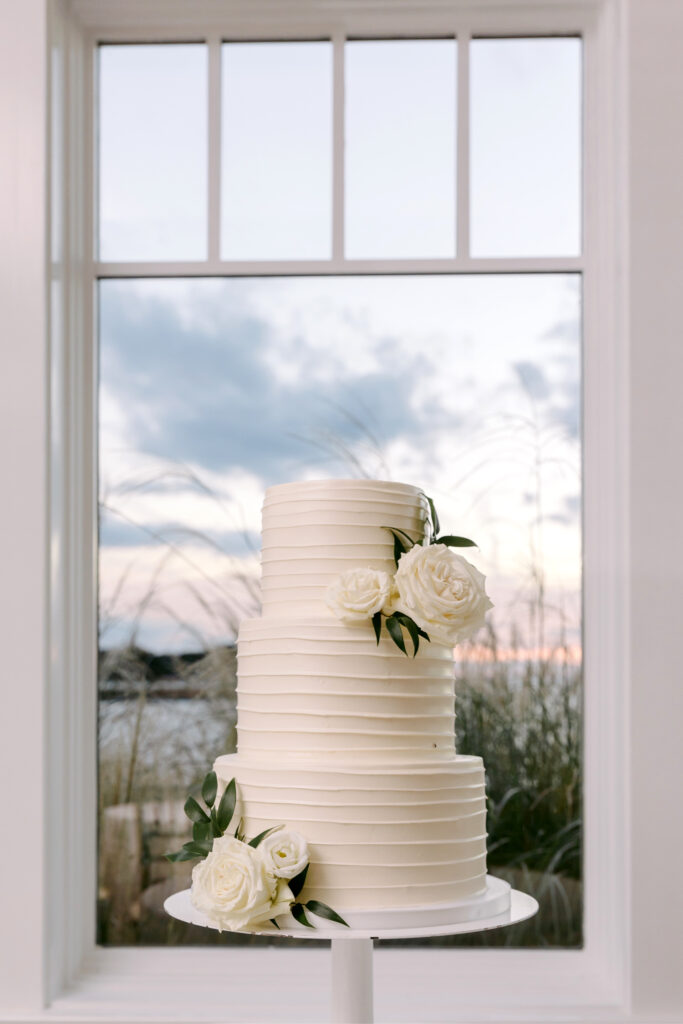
(372, 343)
(79, 976)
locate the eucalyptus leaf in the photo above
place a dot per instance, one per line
(455, 542)
(299, 914)
(262, 835)
(226, 807)
(296, 884)
(435, 519)
(377, 624)
(322, 910)
(202, 830)
(209, 789)
(396, 633)
(194, 811)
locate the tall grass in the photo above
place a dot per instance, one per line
(528, 732)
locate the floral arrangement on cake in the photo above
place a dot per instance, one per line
(435, 594)
(241, 883)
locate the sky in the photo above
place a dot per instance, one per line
(212, 390)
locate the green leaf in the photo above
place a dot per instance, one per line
(180, 855)
(435, 519)
(400, 546)
(215, 829)
(209, 788)
(396, 633)
(296, 884)
(322, 910)
(299, 914)
(402, 533)
(412, 627)
(273, 921)
(420, 632)
(201, 830)
(226, 807)
(377, 624)
(199, 847)
(455, 542)
(194, 811)
(191, 851)
(262, 835)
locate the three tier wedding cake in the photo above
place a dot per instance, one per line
(346, 722)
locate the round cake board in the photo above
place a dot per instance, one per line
(500, 906)
(352, 1001)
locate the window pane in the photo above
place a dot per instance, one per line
(400, 148)
(153, 152)
(525, 123)
(212, 390)
(277, 151)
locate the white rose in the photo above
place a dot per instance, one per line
(358, 594)
(442, 592)
(283, 898)
(285, 853)
(232, 886)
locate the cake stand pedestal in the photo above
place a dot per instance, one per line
(352, 1000)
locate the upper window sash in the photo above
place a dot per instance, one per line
(461, 260)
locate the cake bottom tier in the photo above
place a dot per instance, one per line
(378, 837)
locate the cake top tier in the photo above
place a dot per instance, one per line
(332, 490)
(317, 529)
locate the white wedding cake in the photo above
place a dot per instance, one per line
(342, 736)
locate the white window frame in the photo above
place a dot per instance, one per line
(75, 978)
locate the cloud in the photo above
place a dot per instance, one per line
(209, 395)
(118, 533)
(568, 330)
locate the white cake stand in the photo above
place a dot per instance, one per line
(352, 1001)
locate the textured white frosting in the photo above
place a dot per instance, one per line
(378, 837)
(349, 742)
(316, 688)
(314, 531)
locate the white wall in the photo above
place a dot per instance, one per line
(656, 314)
(23, 466)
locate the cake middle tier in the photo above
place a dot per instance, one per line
(318, 689)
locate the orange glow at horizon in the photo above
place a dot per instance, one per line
(569, 654)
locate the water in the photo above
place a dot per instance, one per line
(177, 739)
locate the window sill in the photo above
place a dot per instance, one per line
(293, 985)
